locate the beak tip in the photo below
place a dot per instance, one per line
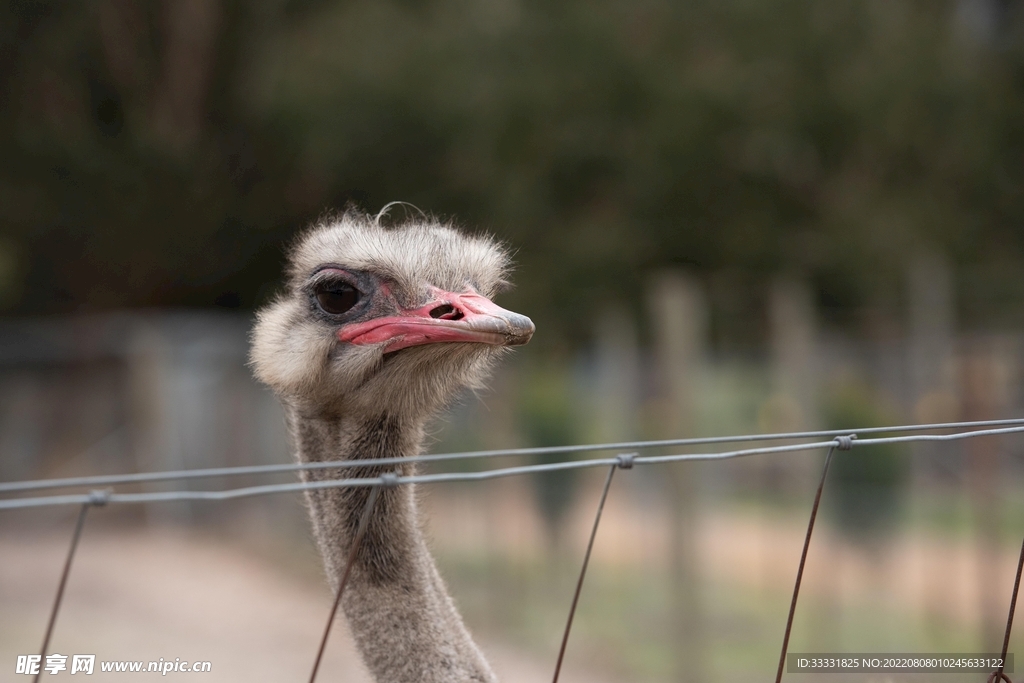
(521, 329)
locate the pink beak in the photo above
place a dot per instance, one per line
(450, 317)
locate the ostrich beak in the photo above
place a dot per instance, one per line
(449, 317)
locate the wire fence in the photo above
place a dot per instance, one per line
(628, 455)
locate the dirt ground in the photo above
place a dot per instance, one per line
(145, 594)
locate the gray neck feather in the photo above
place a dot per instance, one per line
(404, 622)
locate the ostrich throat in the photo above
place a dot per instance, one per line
(403, 619)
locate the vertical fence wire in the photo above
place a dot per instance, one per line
(60, 587)
(353, 552)
(624, 462)
(998, 674)
(843, 443)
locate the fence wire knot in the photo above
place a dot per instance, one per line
(389, 480)
(99, 497)
(999, 676)
(845, 443)
(625, 460)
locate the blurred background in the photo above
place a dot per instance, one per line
(727, 217)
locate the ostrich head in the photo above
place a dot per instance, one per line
(378, 319)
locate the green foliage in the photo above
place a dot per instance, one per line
(600, 138)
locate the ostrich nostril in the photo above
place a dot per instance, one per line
(446, 312)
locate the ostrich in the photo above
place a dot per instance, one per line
(378, 328)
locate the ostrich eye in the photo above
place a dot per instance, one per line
(336, 297)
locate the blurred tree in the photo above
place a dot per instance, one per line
(162, 152)
(131, 175)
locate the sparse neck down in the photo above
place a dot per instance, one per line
(404, 622)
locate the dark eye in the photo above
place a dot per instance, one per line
(336, 297)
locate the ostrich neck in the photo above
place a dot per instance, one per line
(404, 622)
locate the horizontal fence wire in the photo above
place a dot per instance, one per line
(99, 497)
(181, 475)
